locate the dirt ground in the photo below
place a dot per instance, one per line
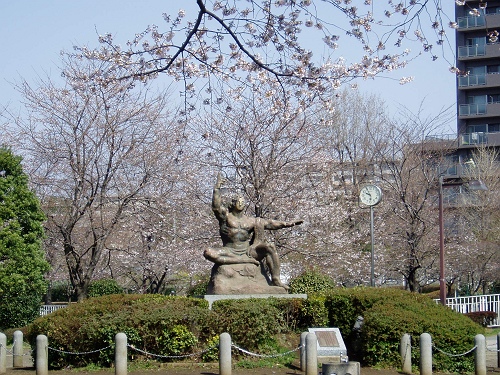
(208, 369)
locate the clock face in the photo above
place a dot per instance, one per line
(370, 195)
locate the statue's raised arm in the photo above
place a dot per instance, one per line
(219, 210)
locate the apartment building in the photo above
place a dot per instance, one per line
(478, 85)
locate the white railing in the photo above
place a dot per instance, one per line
(486, 302)
(47, 309)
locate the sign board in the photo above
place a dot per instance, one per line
(330, 342)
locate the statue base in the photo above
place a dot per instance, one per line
(241, 278)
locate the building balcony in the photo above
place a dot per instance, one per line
(490, 21)
(466, 111)
(479, 81)
(470, 22)
(471, 110)
(479, 51)
(465, 140)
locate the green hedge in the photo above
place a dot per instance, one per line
(168, 326)
(149, 321)
(390, 313)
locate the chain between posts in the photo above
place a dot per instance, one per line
(170, 356)
(266, 355)
(11, 351)
(493, 350)
(454, 355)
(80, 353)
(182, 355)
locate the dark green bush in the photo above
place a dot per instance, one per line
(390, 313)
(252, 323)
(311, 282)
(484, 318)
(60, 291)
(92, 325)
(104, 287)
(177, 325)
(198, 289)
(18, 310)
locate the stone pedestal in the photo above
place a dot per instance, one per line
(349, 368)
(241, 278)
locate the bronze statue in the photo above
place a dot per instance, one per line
(242, 236)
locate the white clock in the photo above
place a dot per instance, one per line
(370, 195)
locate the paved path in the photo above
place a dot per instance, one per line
(491, 352)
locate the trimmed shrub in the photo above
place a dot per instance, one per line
(252, 323)
(178, 325)
(198, 289)
(60, 291)
(311, 282)
(18, 309)
(104, 287)
(484, 318)
(390, 313)
(91, 326)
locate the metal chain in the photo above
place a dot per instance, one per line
(454, 355)
(11, 351)
(492, 350)
(265, 355)
(7, 350)
(170, 356)
(79, 353)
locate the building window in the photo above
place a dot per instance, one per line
(478, 41)
(492, 10)
(493, 98)
(477, 99)
(483, 128)
(477, 128)
(493, 128)
(493, 69)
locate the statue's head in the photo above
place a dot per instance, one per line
(237, 203)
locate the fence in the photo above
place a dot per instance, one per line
(307, 347)
(47, 309)
(486, 302)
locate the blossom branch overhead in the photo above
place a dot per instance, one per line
(291, 41)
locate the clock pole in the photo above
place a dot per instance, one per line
(371, 195)
(372, 275)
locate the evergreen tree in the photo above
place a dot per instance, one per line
(22, 262)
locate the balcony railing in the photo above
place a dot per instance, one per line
(472, 80)
(472, 109)
(472, 51)
(471, 21)
(477, 138)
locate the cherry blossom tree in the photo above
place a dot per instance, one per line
(408, 162)
(472, 247)
(92, 149)
(243, 41)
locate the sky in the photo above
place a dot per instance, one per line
(34, 32)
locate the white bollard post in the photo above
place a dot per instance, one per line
(225, 354)
(42, 355)
(480, 354)
(425, 354)
(405, 351)
(17, 350)
(3, 353)
(303, 351)
(311, 354)
(120, 354)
